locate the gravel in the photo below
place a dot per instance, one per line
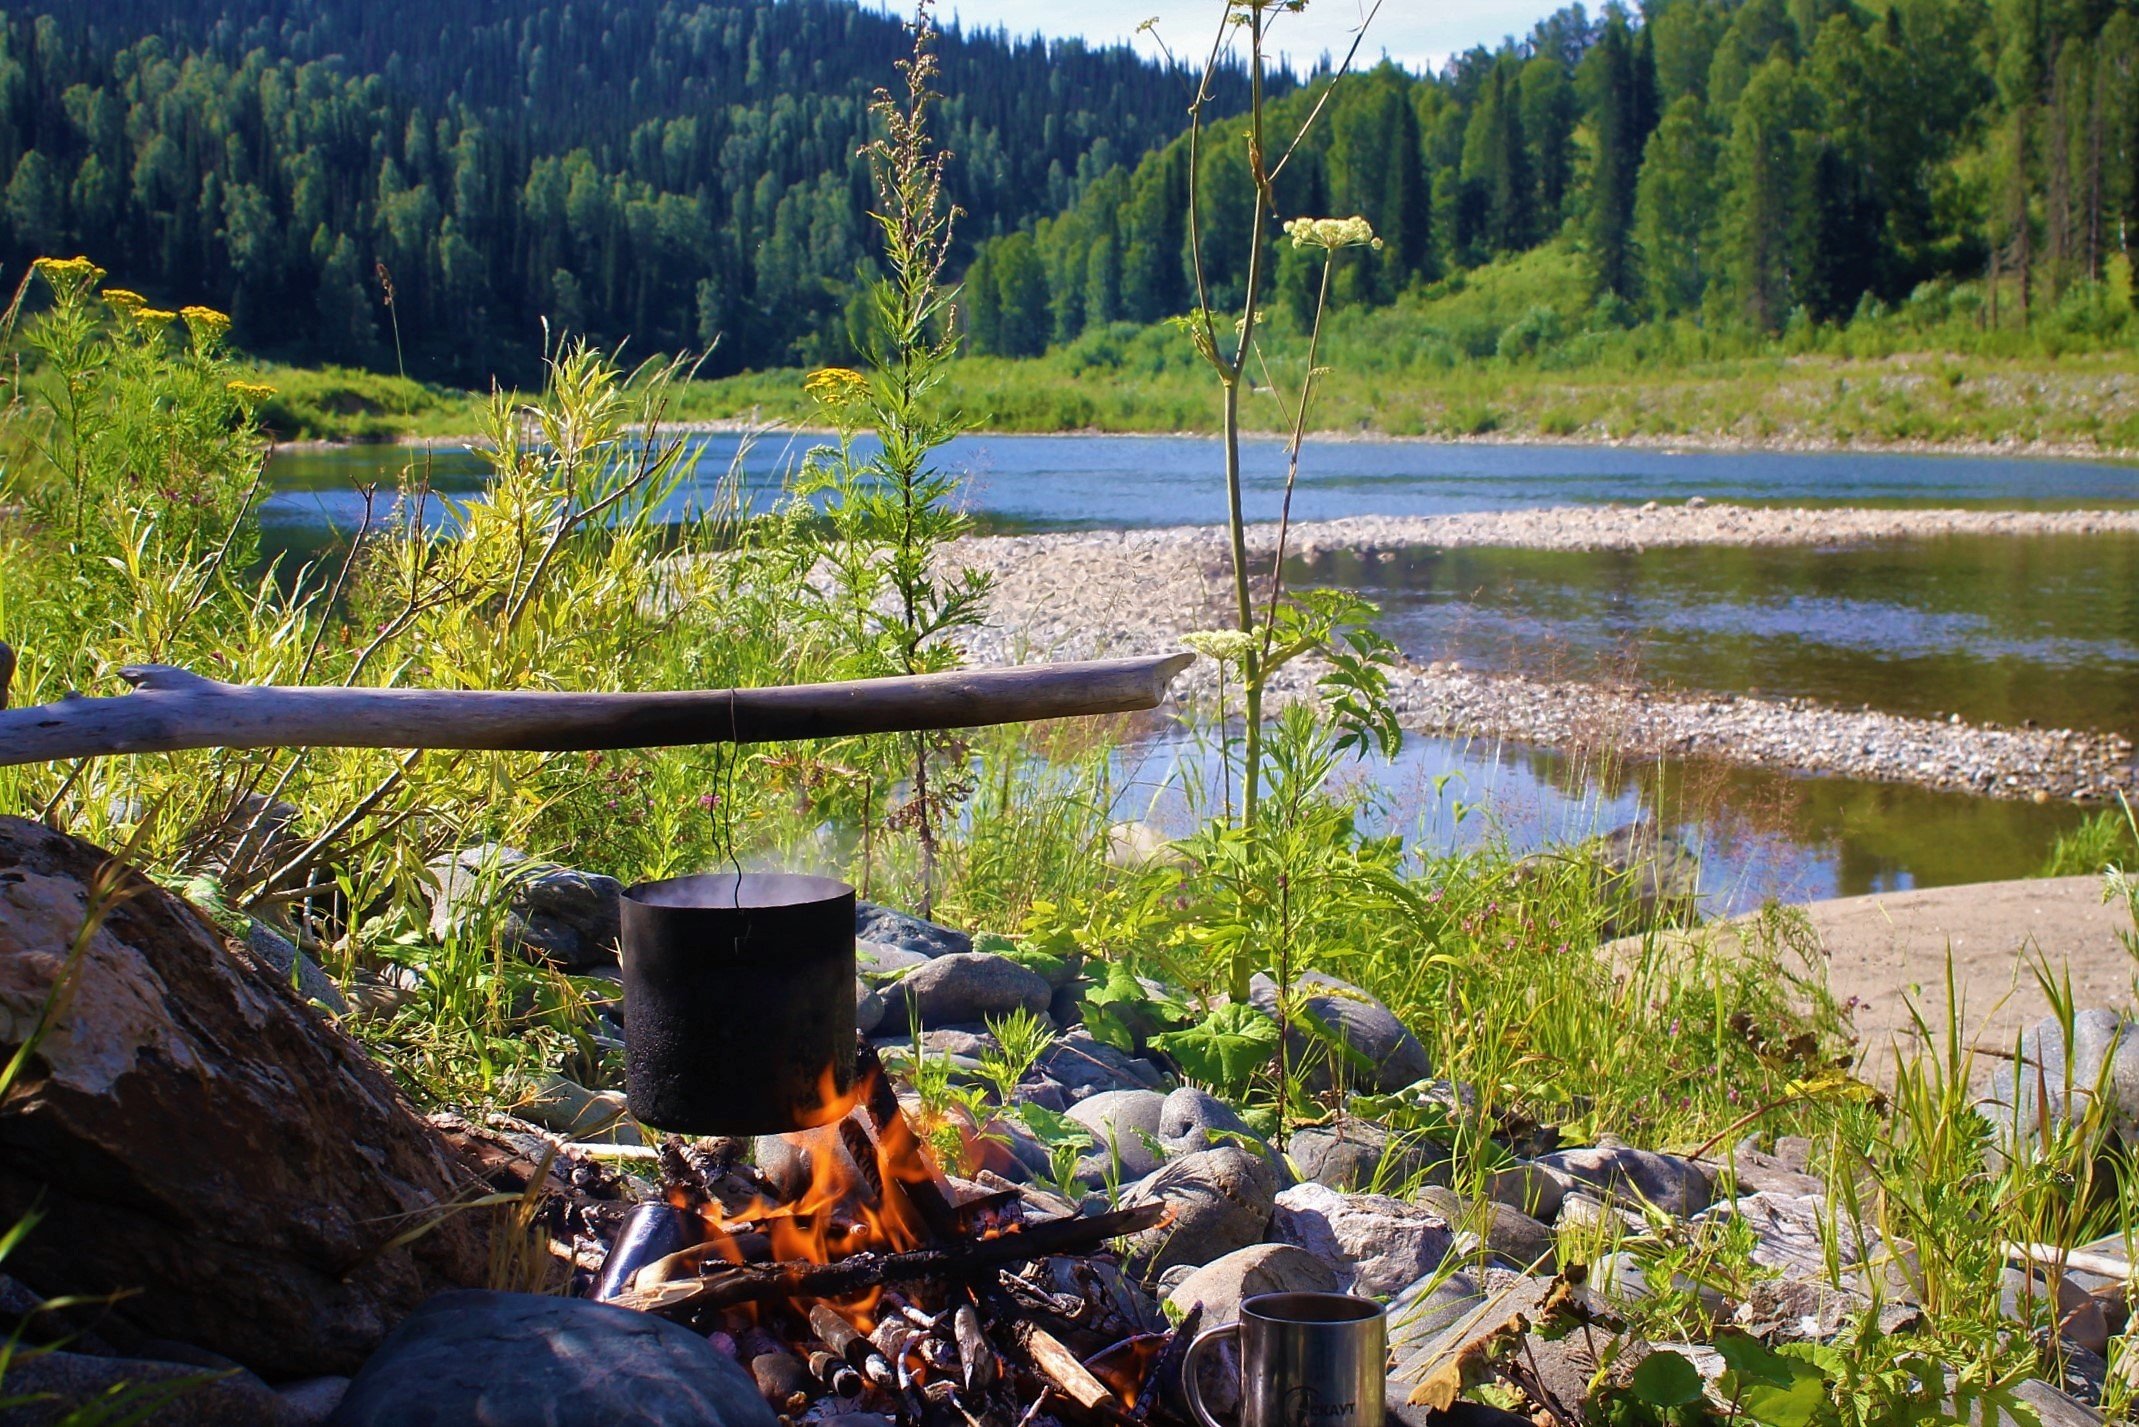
(1094, 594)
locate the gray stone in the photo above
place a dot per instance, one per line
(1790, 1232)
(908, 933)
(279, 954)
(560, 915)
(1523, 1185)
(2076, 1312)
(1380, 1055)
(1753, 1172)
(1778, 1310)
(1582, 1212)
(58, 1383)
(572, 1110)
(2104, 1052)
(1517, 1239)
(1421, 1312)
(1375, 1244)
(880, 960)
(1085, 1066)
(524, 1360)
(868, 1007)
(1126, 1124)
(1651, 879)
(784, 1163)
(2051, 1407)
(1219, 1286)
(1676, 1186)
(1351, 1153)
(1621, 1279)
(965, 987)
(1221, 1201)
(312, 1400)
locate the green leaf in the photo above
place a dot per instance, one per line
(1052, 1127)
(1226, 1047)
(1753, 1361)
(1666, 1379)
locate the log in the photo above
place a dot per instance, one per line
(727, 1285)
(174, 709)
(196, 1136)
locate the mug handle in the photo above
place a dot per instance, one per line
(1191, 1384)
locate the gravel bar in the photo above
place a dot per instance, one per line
(1089, 594)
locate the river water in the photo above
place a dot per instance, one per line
(1993, 629)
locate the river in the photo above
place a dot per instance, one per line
(1997, 629)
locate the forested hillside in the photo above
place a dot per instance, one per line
(662, 170)
(1747, 165)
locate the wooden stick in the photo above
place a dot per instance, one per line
(173, 709)
(1046, 1357)
(726, 1285)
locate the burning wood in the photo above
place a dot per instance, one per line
(872, 1288)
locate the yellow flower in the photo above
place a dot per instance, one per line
(69, 274)
(1332, 233)
(206, 324)
(250, 394)
(836, 387)
(154, 318)
(123, 299)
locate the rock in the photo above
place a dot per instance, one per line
(882, 960)
(784, 1163)
(1380, 1055)
(193, 1396)
(1525, 1186)
(1421, 1312)
(1586, 1213)
(1083, 1065)
(279, 954)
(1193, 1119)
(1651, 879)
(1753, 1172)
(907, 933)
(312, 1400)
(487, 1359)
(2104, 1050)
(252, 837)
(1219, 1286)
(572, 1110)
(1375, 1244)
(2078, 1316)
(1520, 1241)
(560, 915)
(1621, 1278)
(1791, 1230)
(2051, 1407)
(1351, 1153)
(965, 986)
(200, 1142)
(1778, 1310)
(1126, 1123)
(1221, 1201)
(1674, 1185)
(868, 1007)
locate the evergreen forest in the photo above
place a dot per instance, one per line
(349, 181)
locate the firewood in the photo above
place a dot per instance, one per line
(846, 1340)
(976, 1354)
(1045, 1356)
(175, 708)
(727, 1285)
(895, 1133)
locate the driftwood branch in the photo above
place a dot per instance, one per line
(173, 709)
(730, 1284)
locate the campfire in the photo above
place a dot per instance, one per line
(882, 1287)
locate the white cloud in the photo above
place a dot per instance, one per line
(1412, 32)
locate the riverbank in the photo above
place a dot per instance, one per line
(1090, 594)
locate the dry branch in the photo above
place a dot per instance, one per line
(730, 1284)
(173, 709)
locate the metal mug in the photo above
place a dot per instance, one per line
(1306, 1360)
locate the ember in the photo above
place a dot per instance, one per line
(874, 1288)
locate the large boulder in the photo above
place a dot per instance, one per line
(1221, 1285)
(907, 933)
(1375, 1244)
(1221, 1201)
(2102, 1051)
(1125, 1125)
(202, 1145)
(1344, 1035)
(1350, 1153)
(964, 987)
(561, 915)
(525, 1360)
(1677, 1186)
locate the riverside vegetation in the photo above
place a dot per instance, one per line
(134, 466)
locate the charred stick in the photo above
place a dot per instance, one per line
(835, 1372)
(846, 1340)
(901, 1146)
(976, 1354)
(862, 1150)
(726, 1285)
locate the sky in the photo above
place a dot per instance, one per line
(1415, 33)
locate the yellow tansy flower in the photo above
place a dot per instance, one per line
(205, 323)
(836, 387)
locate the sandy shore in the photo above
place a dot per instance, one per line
(1088, 594)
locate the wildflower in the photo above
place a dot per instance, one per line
(206, 324)
(1227, 646)
(66, 273)
(836, 388)
(123, 300)
(153, 319)
(1332, 233)
(250, 394)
